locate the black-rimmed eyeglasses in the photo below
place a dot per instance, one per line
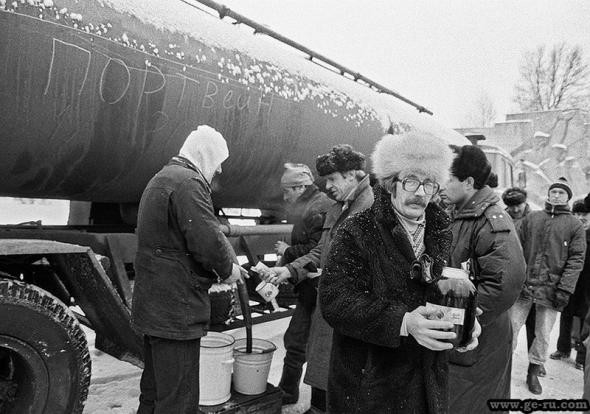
(411, 184)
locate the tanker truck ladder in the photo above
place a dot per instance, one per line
(313, 56)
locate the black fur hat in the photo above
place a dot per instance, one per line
(514, 196)
(579, 207)
(582, 206)
(341, 158)
(471, 161)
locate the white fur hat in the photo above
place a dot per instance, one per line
(412, 151)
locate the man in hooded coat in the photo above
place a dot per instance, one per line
(484, 236)
(181, 252)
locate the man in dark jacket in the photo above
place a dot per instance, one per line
(386, 355)
(348, 184)
(554, 245)
(578, 303)
(515, 199)
(484, 235)
(307, 207)
(181, 252)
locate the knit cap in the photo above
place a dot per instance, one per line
(296, 175)
(563, 184)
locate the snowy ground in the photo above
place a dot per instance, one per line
(115, 385)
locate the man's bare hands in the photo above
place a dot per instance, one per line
(429, 332)
(238, 273)
(280, 247)
(278, 275)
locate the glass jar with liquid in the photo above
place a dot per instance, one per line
(454, 299)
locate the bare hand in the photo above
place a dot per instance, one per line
(280, 247)
(429, 332)
(238, 273)
(278, 275)
(474, 335)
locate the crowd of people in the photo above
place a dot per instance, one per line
(365, 249)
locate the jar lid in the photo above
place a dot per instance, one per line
(454, 273)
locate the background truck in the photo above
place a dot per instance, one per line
(95, 97)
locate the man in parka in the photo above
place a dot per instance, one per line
(515, 199)
(484, 236)
(180, 253)
(577, 306)
(554, 244)
(348, 184)
(306, 210)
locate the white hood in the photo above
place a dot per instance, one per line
(206, 148)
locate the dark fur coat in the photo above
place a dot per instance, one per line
(365, 291)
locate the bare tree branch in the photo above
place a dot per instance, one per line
(553, 79)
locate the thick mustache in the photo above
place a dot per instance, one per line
(416, 200)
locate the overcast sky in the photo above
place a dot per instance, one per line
(441, 54)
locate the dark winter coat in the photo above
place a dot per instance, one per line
(484, 232)
(320, 337)
(365, 291)
(527, 210)
(554, 244)
(181, 251)
(307, 215)
(580, 300)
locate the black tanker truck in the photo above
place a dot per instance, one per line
(95, 97)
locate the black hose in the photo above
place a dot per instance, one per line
(245, 306)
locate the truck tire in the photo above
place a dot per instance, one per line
(44, 359)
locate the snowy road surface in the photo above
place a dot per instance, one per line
(114, 387)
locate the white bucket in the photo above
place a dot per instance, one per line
(216, 363)
(251, 370)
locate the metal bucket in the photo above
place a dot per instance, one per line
(216, 363)
(251, 370)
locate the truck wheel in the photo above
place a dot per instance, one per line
(44, 359)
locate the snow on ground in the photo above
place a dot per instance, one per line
(114, 388)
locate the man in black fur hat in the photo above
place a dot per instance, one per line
(554, 245)
(348, 184)
(516, 205)
(484, 236)
(515, 199)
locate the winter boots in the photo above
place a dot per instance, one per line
(532, 379)
(559, 355)
(289, 384)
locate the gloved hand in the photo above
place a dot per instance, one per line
(561, 299)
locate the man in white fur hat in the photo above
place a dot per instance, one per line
(388, 348)
(181, 252)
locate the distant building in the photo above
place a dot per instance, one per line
(544, 146)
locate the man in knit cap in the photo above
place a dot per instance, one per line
(306, 210)
(388, 347)
(181, 252)
(348, 184)
(554, 244)
(485, 238)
